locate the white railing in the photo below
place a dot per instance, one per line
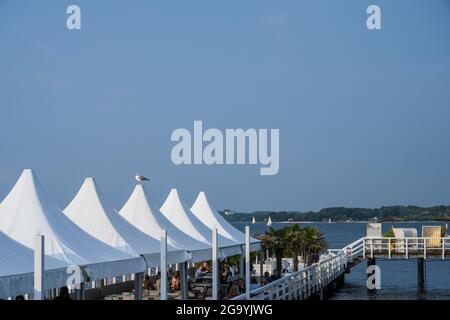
(406, 248)
(302, 284)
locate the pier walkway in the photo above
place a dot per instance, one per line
(317, 279)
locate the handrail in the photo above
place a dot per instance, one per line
(306, 282)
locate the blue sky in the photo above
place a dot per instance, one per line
(363, 115)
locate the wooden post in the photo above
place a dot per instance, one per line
(39, 267)
(247, 262)
(138, 277)
(163, 265)
(421, 274)
(215, 266)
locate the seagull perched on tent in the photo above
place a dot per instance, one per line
(140, 178)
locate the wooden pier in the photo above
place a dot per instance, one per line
(319, 278)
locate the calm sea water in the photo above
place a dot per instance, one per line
(398, 278)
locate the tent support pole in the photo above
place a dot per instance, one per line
(215, 267)
(261, 262)
(184, 280)
(138, 277)
(241, 262)
(163, 266)
(79, 292)
(39, 267)
(247, 262)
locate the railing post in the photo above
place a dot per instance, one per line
(364, 248)
(424, 248)
(407, 248)
(371, 248)
(389, 248)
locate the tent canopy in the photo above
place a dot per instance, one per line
(27, 211)
(17, 267)
(181, 216)
(140, 212)
(93, 214)
(212, 219)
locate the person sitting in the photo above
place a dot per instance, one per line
(20, 297)
(201, 271)
(275, 276)
(158, 282)
(241, 286)
(64, 294)
(147, 283)
(263, 281)
(254, 284)
(175, 282)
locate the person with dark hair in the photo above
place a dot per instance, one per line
(20, 297)
(63, 294)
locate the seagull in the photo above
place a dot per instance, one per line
(140, 178)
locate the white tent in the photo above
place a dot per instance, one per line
(211, 218)
(181, 216)
(93, 214)
(140, 212)
(27, 211)
(17, 266)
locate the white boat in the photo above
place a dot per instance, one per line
(269, 222)
(253, 220)
(329, 220)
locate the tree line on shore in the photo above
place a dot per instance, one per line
(391, 213)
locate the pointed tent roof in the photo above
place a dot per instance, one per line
(27, 211)
(140, 212)
(181, 216)
(93, 214)
(210, 217)
(17, 267)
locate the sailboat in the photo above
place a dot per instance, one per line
(253, 220)
(329, 220)
(269, 222)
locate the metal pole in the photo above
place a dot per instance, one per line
(39, 267)
(163, 265)
(184, 280)
(138, 277)
(247, 262)
(241, 263)
(215, 267)
(261, 262)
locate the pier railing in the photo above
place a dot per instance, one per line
(304, 283)
(407, 248)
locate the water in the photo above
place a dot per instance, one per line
(398, 278)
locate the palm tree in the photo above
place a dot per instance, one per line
(309, 241)
(276, 240)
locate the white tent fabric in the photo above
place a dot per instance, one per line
(181, 216)
(93, 214)
(17, 266)
(212, 219)
(27, 211)
(140, 212)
